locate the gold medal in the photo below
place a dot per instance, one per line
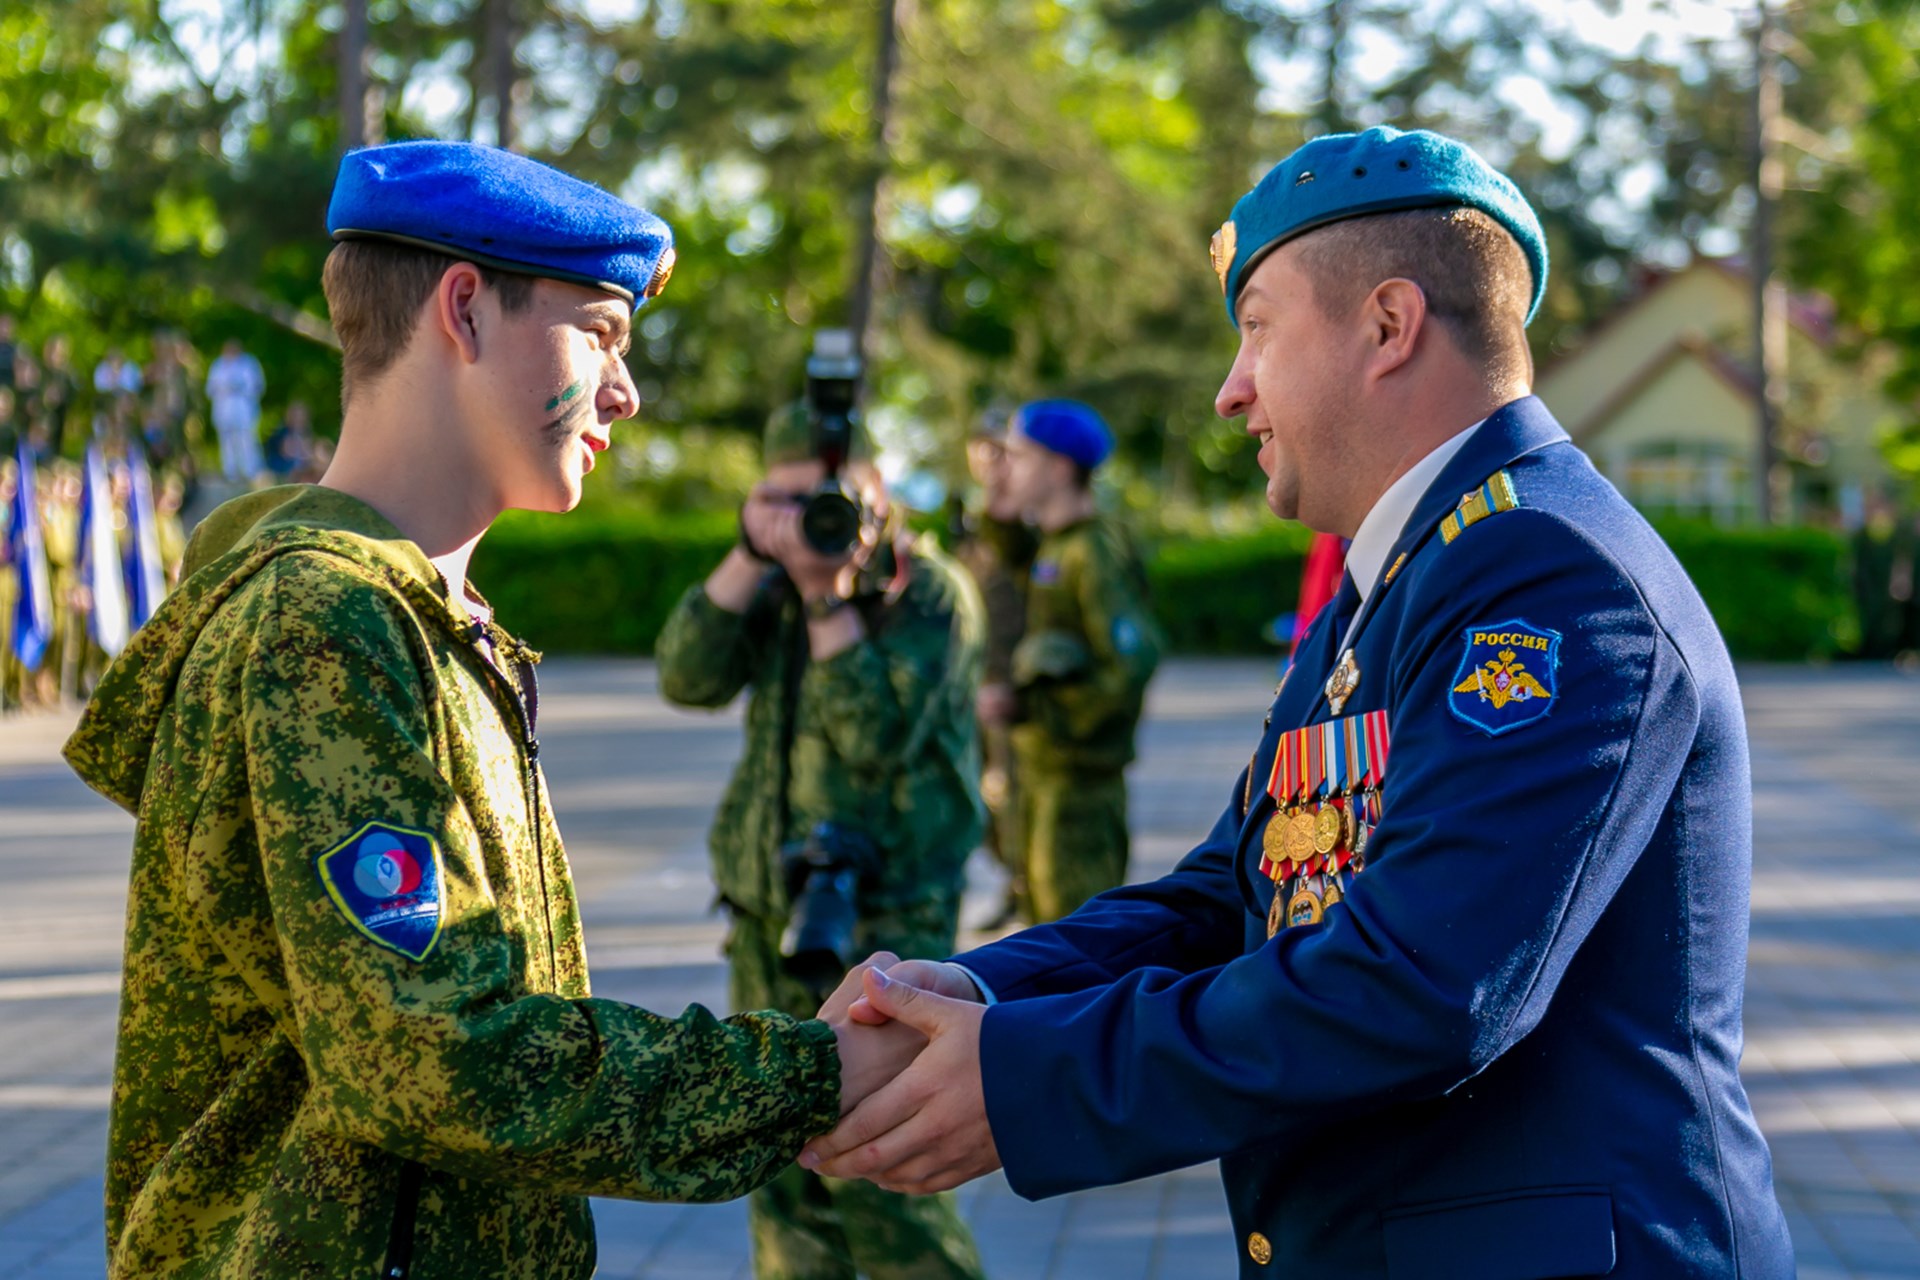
(1342, 683)
(1350, 823)
(1273, 841)
(1305, 908)
(1333, 893)
(1274, 918)
(1327, 829)
(1297, 842)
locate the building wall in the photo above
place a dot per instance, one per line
(1704, 300)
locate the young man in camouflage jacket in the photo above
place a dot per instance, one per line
(356, 1036)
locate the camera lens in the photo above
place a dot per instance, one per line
(830, 523)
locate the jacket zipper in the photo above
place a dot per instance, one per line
(406, 1207)
(489, 648)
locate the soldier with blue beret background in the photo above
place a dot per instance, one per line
(1453, 986)
(1077, 678)
(356, 1036)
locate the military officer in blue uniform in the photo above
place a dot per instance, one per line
(1453, 987)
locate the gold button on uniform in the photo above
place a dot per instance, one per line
(1259, 1248)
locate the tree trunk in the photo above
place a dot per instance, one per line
(1332, 117)
(1769, 296)
(866, 261)
(353, 76)
(503, 74)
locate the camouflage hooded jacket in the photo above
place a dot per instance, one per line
(881, 736)
(337, 1059)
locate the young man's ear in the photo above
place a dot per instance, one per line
(455, 309)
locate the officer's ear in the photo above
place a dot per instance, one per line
(455, 309)
(1393, 320)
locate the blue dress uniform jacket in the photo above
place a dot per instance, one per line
(1512, 1050)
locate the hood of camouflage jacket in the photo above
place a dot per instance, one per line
(111, 747)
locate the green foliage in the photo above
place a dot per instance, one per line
(1777, 594)
(1852, 218)
(596, 581)
(1221, 595)
(1051, 172)
(603, 581)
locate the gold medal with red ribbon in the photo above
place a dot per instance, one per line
(1325, 783)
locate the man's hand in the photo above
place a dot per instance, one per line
(937, 976)
(852, 987)
(927, 1130)
(772, 519)
(872, 1055)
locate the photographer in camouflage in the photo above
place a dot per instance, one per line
(857, 795)
(356, 1037)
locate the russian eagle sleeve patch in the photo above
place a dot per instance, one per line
(386, 882)
(1508, 677)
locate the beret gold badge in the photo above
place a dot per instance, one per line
(662, 273)
(1225, 241)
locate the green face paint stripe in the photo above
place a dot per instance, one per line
(573, 414)
(564, 396)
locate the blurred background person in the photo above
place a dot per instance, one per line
(58, 390)
(235, 384)
(9, 348)
(1079, 673)
(116, 381)
(290, 446)
(996, 546)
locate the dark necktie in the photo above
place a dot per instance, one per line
(1318, 662)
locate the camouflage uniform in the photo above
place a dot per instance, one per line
(997, 554)
(292, 1095)
(881, 737)
(1081, 674)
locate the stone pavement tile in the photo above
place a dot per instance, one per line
(58, 1237)
(664, 1241)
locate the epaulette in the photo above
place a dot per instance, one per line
(1495, 496)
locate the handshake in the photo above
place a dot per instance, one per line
(913, 1114)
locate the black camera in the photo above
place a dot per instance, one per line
(833, 516)
(823, 873)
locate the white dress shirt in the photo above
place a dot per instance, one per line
(1367, 557)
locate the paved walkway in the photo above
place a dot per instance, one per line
(1833, 1005)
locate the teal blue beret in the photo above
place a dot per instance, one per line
(500, 210)
(1347, 175)
(1069, 428)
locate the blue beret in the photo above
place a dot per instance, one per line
(1069, 428)
(500, 210)
(1347, 175)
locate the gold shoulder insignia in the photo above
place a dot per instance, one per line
(1491, 498)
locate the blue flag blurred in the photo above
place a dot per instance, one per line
(33, 611)
(100, 568)
(146, 577)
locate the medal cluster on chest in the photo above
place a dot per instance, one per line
(1325, 783)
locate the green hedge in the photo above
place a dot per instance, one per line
(592, 581)
(1221, 595)
(1778, 594)
(604, 581)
